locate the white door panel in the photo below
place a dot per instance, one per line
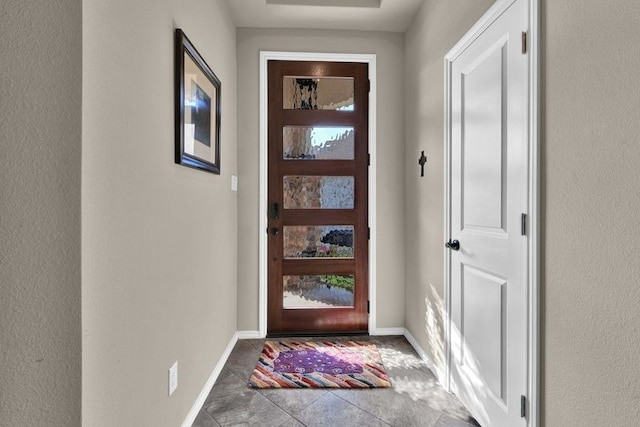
(483, 196)
(482, 326)
(488, 193)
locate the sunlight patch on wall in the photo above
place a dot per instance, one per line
(434, 328)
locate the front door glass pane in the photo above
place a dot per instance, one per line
(323, 291)
(317, 143)
(318, 241)
(318, 192)
(310, 93)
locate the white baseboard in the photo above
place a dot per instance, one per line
(248, 335)
(388, 331)
(426, 359)
(193, 413)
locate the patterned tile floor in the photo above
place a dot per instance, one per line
(415, 398)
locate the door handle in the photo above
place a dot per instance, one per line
(274, 212)
(453, 244)
(275, 231)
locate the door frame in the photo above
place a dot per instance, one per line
(266, 56)
(533, 203)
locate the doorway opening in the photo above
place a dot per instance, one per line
(492, 211)
(335, 259)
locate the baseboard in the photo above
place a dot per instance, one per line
(193, 413)
(248, 335)
(426, 359)
(388, 331)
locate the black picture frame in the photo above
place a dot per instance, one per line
(197, 109)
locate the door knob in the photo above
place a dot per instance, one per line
(274, 231)
(453, 244)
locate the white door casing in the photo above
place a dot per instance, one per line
(488, 186)
(370, 59)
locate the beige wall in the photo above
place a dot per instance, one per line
(435, 30)
(591, 200)
(390, 151)
(40, 118)
(158, 239)
(155, 290)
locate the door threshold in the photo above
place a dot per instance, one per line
(316, 334)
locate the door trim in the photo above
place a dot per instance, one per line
(533, 257)
(266, 56)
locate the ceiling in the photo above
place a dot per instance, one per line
(372, 15)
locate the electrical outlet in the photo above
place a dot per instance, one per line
(173, 378)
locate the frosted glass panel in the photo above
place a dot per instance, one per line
(318, 192)
(318, 143)
(326, 93)
(327, 291)
(306, 241)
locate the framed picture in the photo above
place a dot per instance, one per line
(197, 96)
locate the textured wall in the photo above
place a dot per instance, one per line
(40, 118)
(591, 199)
(159, 240)
(390, 207)
(435, 30)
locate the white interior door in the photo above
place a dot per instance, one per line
(488, 196)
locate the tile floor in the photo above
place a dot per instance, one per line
(415, 398)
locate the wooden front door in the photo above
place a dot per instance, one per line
(317, 197)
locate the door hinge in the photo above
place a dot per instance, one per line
(368, 159)
(368, 86)
(523, 407)
(368, 233)
(523, 224)
(368, 306)
(524, 42)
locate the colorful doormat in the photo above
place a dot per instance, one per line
(319, 364)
